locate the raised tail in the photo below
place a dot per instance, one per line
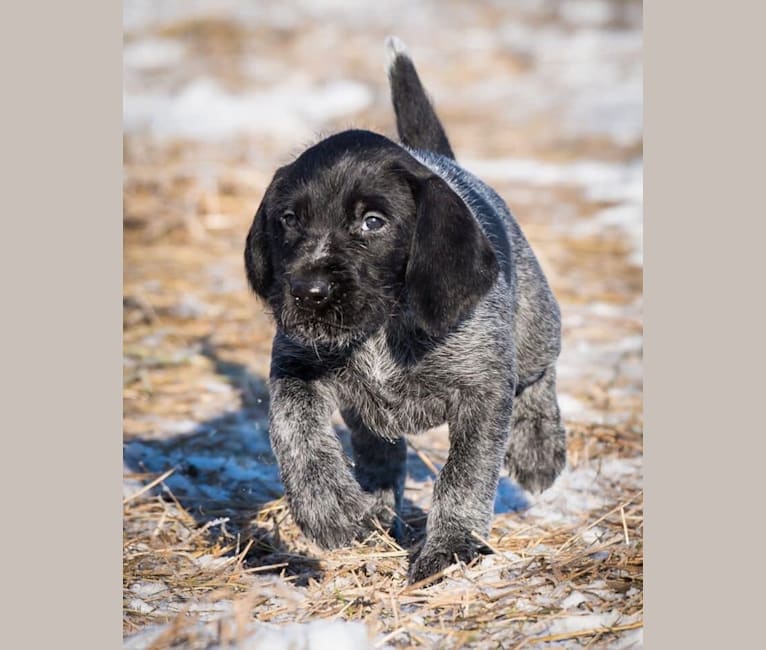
(416, 120)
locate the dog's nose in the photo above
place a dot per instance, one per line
(314, 290)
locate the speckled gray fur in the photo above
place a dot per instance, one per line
(490, 376)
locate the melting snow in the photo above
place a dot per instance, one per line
(203, 110)
(149, 54)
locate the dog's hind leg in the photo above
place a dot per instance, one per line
(537, 448)
(380, 466)
(416, 120)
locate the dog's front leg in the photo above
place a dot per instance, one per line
(464, 491)
(325, 500)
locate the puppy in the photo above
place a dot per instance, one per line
(406, 296)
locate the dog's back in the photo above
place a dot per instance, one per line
(537, 326)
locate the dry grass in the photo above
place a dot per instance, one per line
(499, 600)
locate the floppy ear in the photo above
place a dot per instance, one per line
(452, 263)
(258, 264)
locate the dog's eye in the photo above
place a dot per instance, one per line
(289, 219)
(372, 221)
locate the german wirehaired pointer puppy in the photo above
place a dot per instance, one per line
(406, 296)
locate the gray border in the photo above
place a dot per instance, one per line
(61, 145)
(704, 104)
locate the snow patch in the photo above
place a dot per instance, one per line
(140, 606)
(627, 217)
(573, 408)
(602, 181)
(175, 427)
(570, 624)
(211, 562)
(315, 635)
(594, 76)
(190, 307)
(148, 588)
(152, 54)
(203, 110)
(587, 12)
(581, 490)
(573, 600)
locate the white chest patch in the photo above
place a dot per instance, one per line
(375, 363)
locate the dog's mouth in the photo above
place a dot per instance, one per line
(311, 327)
(310, 321)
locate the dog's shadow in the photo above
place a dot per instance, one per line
(224, 469)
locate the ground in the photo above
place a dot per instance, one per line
(543, 100)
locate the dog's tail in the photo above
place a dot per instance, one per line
(416, 120)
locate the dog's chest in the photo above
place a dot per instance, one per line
(392, 398)
(375, 366)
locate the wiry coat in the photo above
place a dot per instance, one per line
(405, 295)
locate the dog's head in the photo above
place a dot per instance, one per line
(356, 232)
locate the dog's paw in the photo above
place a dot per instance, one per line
(333, 521)
(537, 480)
(536, 466)
(337, 534)
(435, 557)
